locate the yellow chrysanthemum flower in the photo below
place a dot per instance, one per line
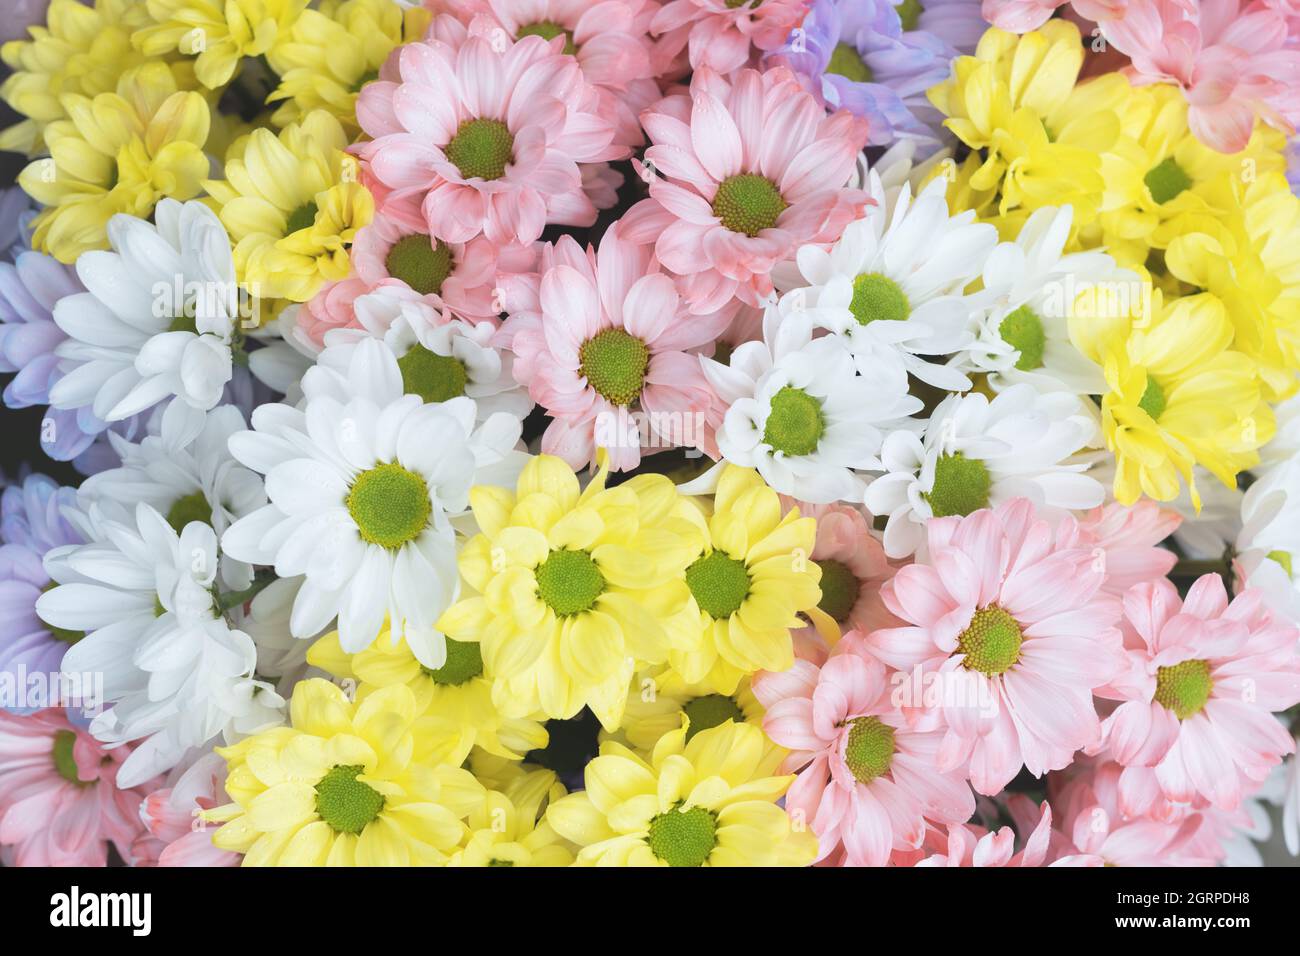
(709, 802)
(455, 701)
(749, 581)
(509, 827)
(1178, 396)
(292, 205)
(574, 588)
(117, 152)
(1039, 135)
(335, 51)
(656, 704)
(218, 32)
(348, 784)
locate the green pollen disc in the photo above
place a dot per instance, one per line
(1184, 688)
(961, 485)
(569, 582)
(840, 588)
(1023, 331)
(481, 148)
(909, 13)
(795, 423)
(421, 262)
(877, 297)
(390, 505)
(991, 642)
(549, 30)
(1283, 558)
(1153, 399)
(683, 837)
(870, 748)
(848, 63)
(62, 633)
(748, 203)
(64, 762)
(434, 377)
(1166, 180)
(710, 711)
(720, 584)
(614, 364)
(464, 662)
(345, 803)
(496, 862)
(304, 217)
(192, 507)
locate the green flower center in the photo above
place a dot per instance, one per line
(1023, 331)
(344, 802)
(909, 13)
(64, 762)
(464, 662)
(870, 748)
(434, 377)
(1166, 180)
(720, 584)
(192, 507)
(683, 837)
(304, 217)
(614, 364)
(390, 505)
(1184, 688)
(840, 589)
(569, 582)
(1283, 558)
(878, 298)
(481, 149)
(991, 642)
(420, 262)
(62, 633)
(848, 63)
(549, 30)
(1153, 399)
(748, 203)
(795, 423)
(710, 711)
(961, 485)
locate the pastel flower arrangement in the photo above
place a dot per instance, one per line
(651, 433)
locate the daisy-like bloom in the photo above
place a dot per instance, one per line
(798, 411)
(1127, 539)
(348, 784)
(709, 802)
(332, 52)
(867, 781)
(972, 845)
(472, 156)
(657, 702)
(219, 34)
(749, 168)
(363, 481)
(1178, 395)
(31, 524)
(118, 152)
(1008, 619)
(177, 835)
(157, 323)
(505, 833)
(60, 799)
(573, 588)
(292, 204)
(1021, 16)
(750, 579)
(602, 341)
(1266, 549)
(1204, 677)
(978, 452)
(854, 567)
(893, 286)
(454, 700)
(723, 35)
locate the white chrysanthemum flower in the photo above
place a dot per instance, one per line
(1267, 547)
(175, 671)
(363, 482)
(977, 453)
(1207, 533)
(894, 284)
(800, 414)
(439, 357)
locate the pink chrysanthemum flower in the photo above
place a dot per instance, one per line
(972, 845)
(485, 134)
(1204, 678)
(59, 801)
(723, 34)
(1008, 630)
(1127, 539)
(177, 835)
(748, 168)
(600, 338)
(867, 782)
